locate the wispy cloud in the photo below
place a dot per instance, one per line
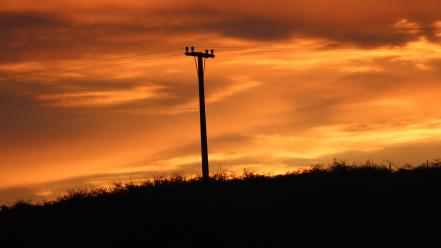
(98, 98)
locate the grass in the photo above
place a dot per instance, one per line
(337, 206)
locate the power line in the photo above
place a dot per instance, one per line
(238, 49)
(302, 50)
(312, 48)
(308, 50)
(45, 72)
(93, 62)
(222, 49)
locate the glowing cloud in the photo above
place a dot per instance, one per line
(98, 98)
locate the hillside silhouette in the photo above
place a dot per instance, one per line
(336, 206)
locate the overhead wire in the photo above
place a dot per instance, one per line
(308, 48)
(102, 64)
(240, 49)
(94, 61)
(196, 65)
(305, 50)
(222, 49)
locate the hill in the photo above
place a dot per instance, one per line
(339, 206)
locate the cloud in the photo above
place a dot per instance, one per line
(406, 26)
(437, 26)
(44, 33)
(100, 98)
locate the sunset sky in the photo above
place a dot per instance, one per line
(95, 92)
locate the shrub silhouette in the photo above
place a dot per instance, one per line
(337, 206)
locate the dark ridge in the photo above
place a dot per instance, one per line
(338, 206)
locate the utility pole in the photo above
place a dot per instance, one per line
(201, 56)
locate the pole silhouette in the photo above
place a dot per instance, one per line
(203, 122)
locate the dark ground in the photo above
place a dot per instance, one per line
(341, 206)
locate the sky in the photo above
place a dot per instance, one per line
(97, 92)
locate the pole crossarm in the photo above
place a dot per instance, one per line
(199, 54)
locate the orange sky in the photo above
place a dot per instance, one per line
(352, 80)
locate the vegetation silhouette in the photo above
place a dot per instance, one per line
(337, 206)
